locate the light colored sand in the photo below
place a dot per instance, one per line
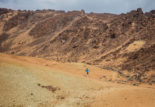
(20, 76)
(126, 97)
(135, 46)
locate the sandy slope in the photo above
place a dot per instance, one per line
(34, 82)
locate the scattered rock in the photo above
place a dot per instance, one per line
(110, 80)
(50, 88)
(12, 52)
(39, 84)
(127, 76)
(135, 84)
(31, 94)
(113, 36)
(130, 79)
(79, 37)
(60, 97)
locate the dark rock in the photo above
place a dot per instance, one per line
(135, 84)
(31, 94)
(139, 10)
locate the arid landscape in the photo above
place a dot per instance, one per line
(44, 55)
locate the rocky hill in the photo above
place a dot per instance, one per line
(123, 43)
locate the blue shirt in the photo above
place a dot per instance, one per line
(87, 70)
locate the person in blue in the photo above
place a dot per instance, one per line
(87, 71)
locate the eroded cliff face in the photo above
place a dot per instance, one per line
(124, 42)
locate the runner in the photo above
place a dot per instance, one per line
(87, 71)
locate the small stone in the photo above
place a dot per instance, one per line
(127, 76)
(134, 84)
(31, 93)
(39, 84)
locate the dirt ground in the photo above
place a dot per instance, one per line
(35, 82)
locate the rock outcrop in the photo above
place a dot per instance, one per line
(124, 42)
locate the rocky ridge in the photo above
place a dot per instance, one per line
(123, 43)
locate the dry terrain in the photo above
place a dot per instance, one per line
(44, 55)
(35, 82)
(124, 43)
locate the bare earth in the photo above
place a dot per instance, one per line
(34, 82)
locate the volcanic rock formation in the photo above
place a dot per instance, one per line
(124, 42)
